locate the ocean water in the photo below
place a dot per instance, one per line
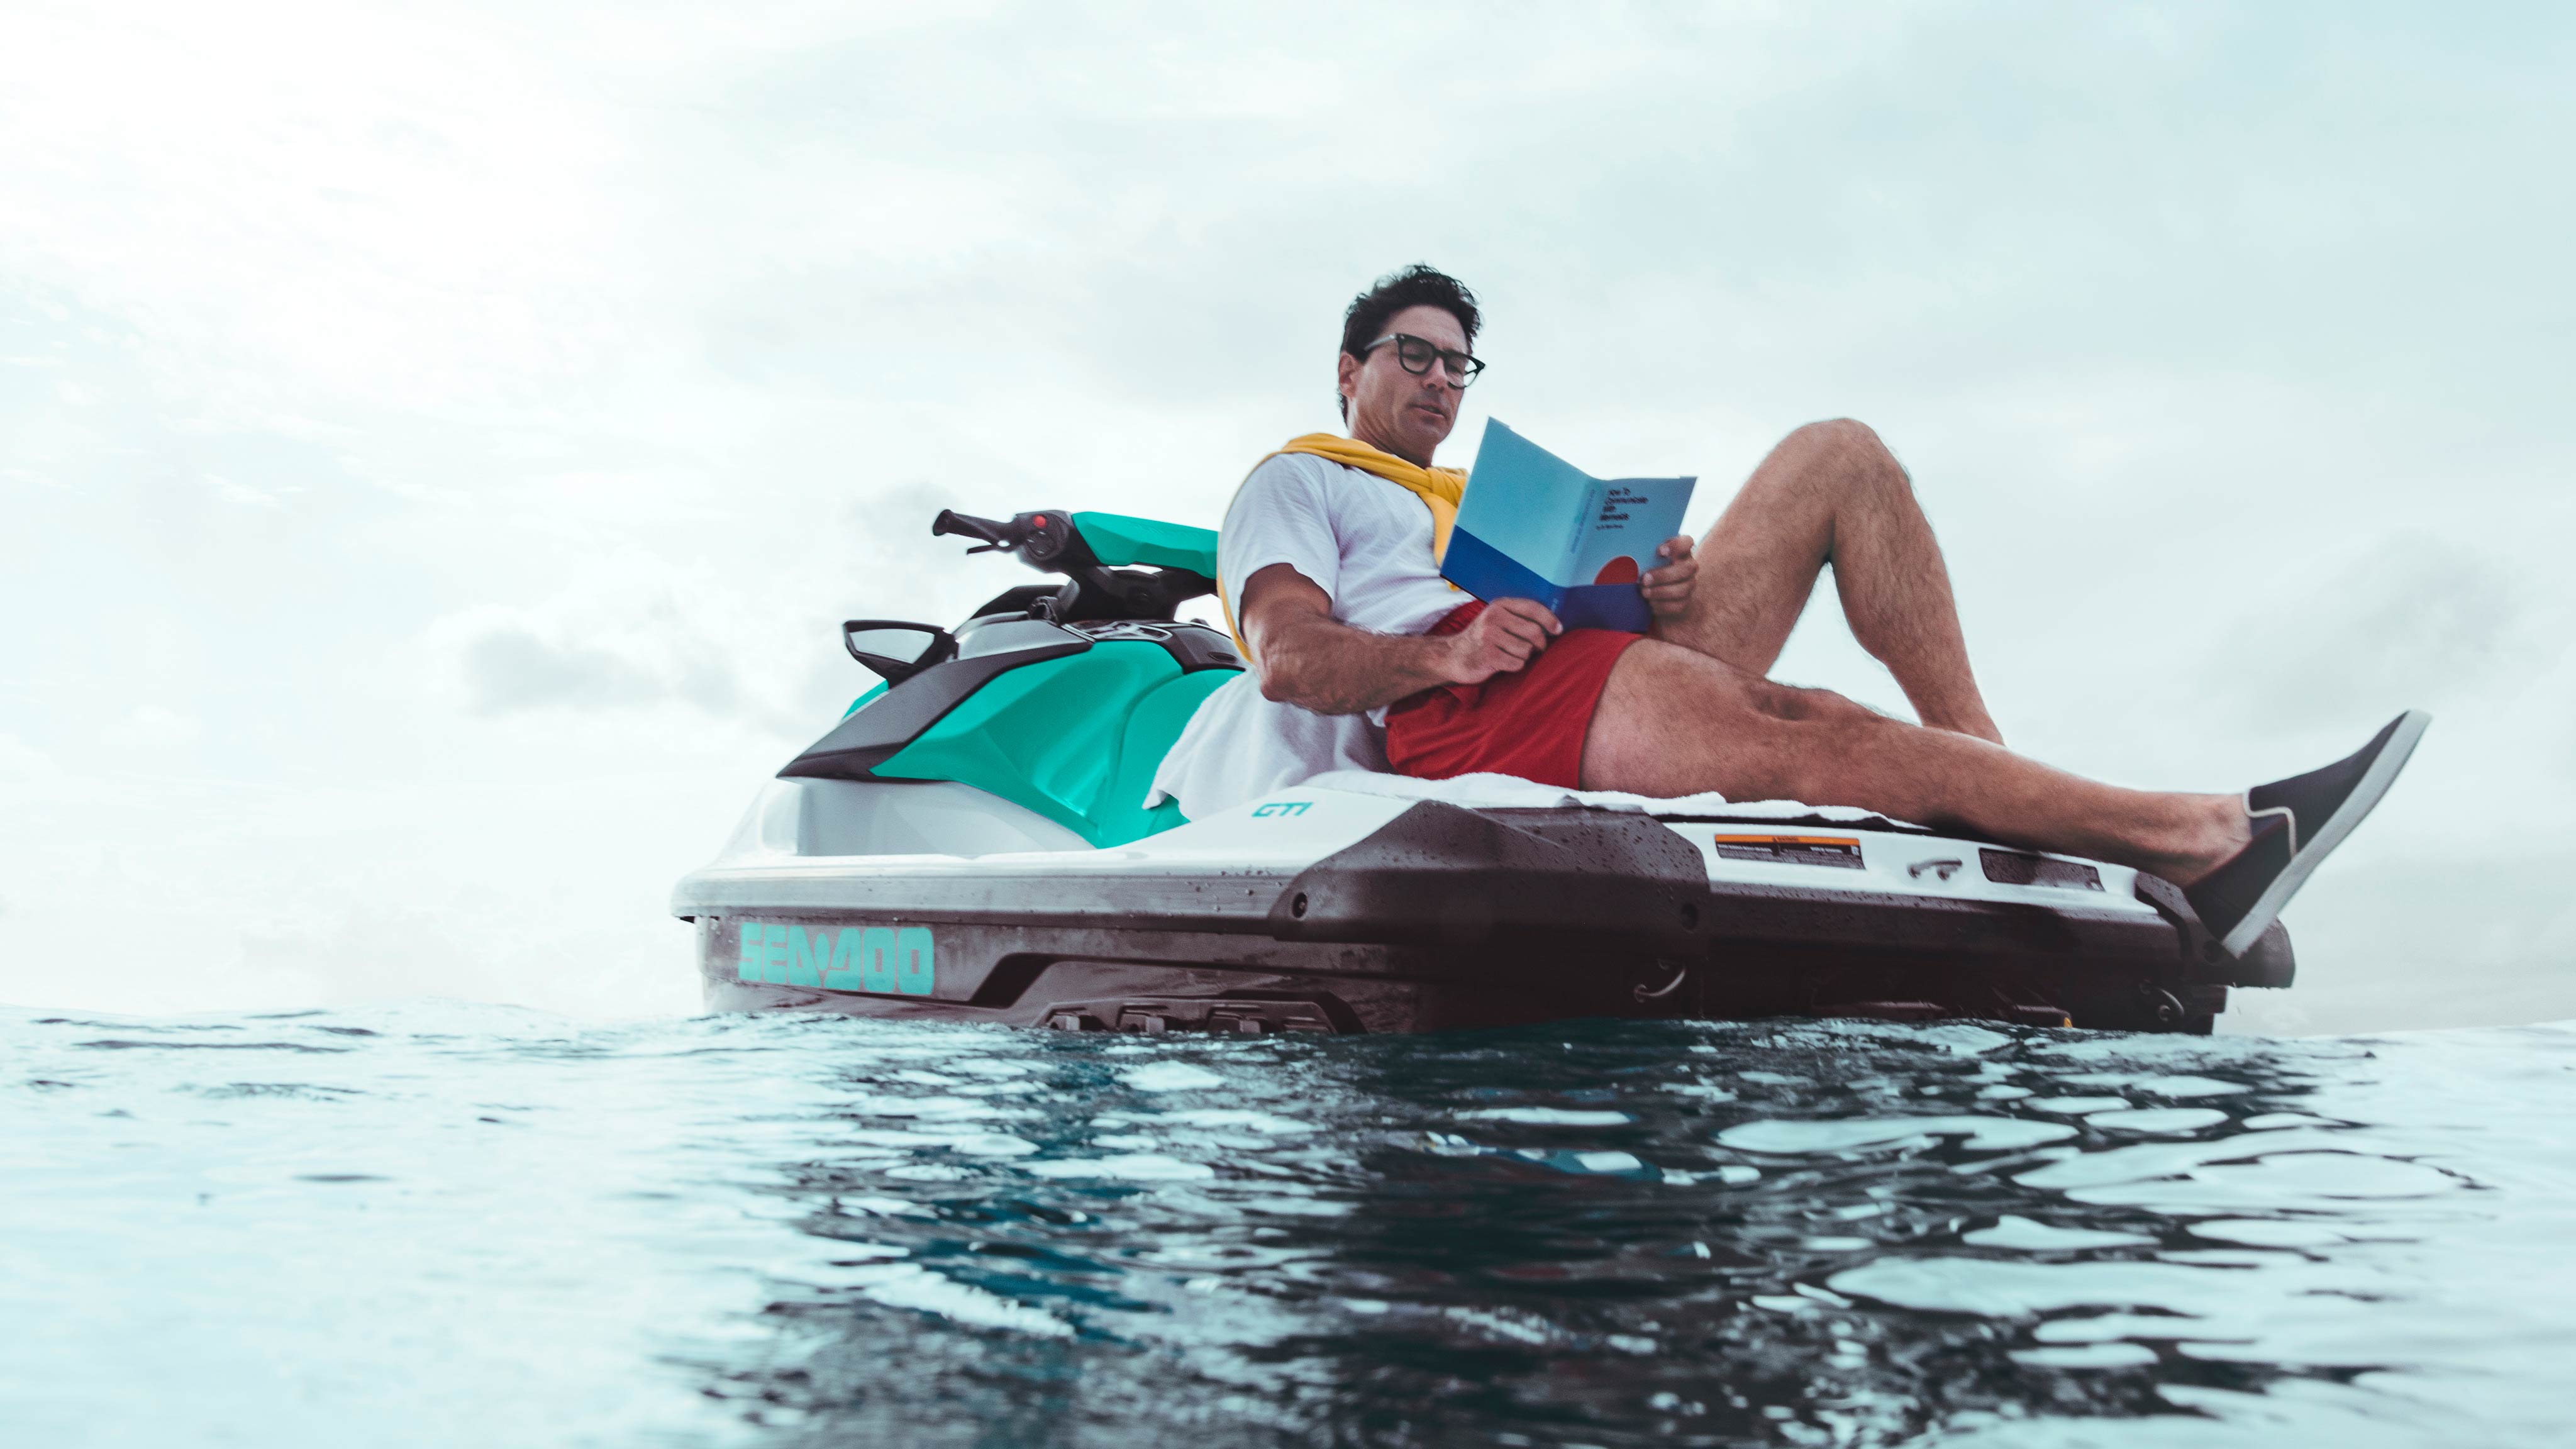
(446, 1224)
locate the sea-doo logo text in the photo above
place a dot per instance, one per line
(1280, 807)
(880, 959)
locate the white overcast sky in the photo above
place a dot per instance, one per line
(437, 442)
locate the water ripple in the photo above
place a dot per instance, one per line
(466, 1221)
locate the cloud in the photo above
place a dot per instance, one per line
(502, 401)
(242, 494)
(508, 664)
(156, 726)
(2413, 620)
(2482, 938)
(20, 760)
(510, 668)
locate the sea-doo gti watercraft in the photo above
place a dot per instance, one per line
(971, 843)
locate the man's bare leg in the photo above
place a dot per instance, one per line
(1673, 721)
(1832, 493)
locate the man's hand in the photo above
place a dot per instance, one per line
(1500, 640)
(1310, 659)
(1668, 588)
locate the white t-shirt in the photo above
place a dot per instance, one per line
(1362, 540)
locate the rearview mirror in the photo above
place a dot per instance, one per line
(897, 650)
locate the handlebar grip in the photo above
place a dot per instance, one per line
(969, 526)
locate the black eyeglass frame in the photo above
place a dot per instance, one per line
(1473, 365)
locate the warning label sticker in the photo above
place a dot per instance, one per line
(1836, 850)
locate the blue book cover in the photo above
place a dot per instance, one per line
(1533, 526)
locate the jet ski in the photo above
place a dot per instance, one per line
(971, 843)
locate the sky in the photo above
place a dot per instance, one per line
(437, 444)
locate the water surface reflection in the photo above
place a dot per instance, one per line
(1798, 1233)
(459, 1224)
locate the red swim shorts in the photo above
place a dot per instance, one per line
(1529, 723)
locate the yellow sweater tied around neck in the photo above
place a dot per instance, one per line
(1438, 488)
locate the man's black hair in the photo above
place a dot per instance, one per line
(1419, 285)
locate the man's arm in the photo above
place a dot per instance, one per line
(1307, 657)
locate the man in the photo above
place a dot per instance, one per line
(1328, 567)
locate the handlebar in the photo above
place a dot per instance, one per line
(1048, 542)
(1045, 540)
(995, 535)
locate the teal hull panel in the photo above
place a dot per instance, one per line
(1076, 739)
(1118, 539)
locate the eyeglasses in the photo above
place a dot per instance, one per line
(1417, 353)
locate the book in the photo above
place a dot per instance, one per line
(1533, 526)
